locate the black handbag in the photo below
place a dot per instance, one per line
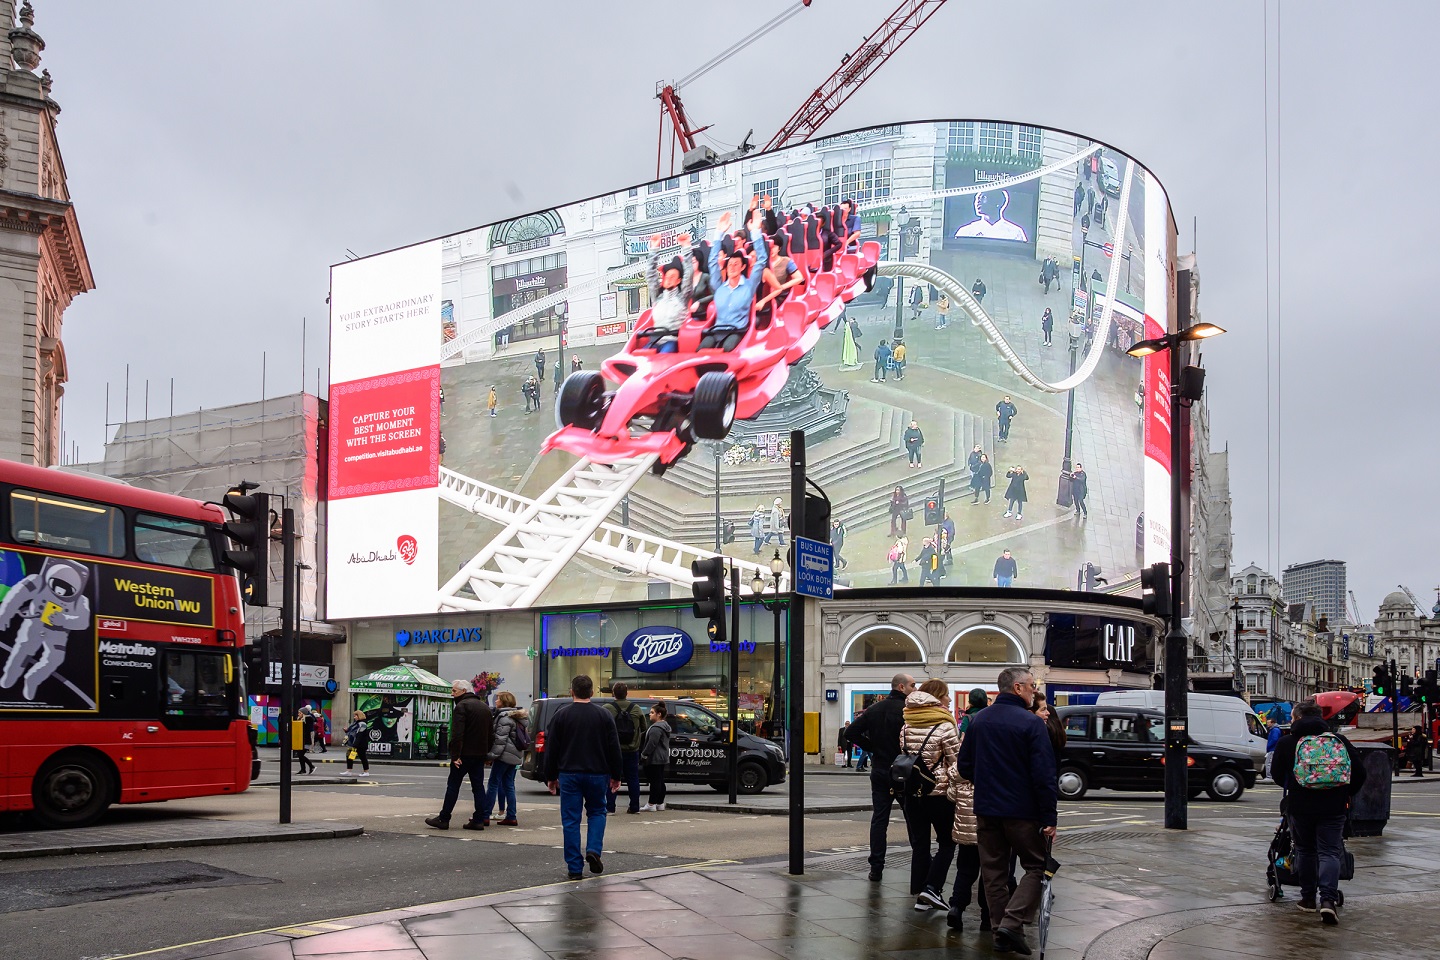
(909, 777)
(907, 514)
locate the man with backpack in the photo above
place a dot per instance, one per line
(1319, 771)
(877, 731)
(630, 725)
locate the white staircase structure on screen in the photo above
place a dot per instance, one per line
(541, 536)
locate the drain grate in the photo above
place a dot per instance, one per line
(858, 861)
(1105, 836)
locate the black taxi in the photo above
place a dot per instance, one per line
(697, 746)
(1123, 748)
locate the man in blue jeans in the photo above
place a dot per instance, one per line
(582, 765)
(1317, 812)
(876, 730)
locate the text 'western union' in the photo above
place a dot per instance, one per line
(150, 596)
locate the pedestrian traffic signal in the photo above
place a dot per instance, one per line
(1380, 682)
(935, 507)
(1405, 685)
(1155, 589)
(250, 529)
(708, 592)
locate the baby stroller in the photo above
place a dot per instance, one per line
(1280, 869)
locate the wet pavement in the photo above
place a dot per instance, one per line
(112, 838)
(1122, 892)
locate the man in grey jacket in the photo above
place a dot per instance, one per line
(655, 756)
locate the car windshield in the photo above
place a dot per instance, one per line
(690, 720)
(1118, 728)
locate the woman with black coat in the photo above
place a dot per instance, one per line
(899, 507)
(980, 479)
(1015, 492)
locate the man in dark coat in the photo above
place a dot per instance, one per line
(877, 731)
(1079, 490)
(1007, 754)
(583, 766)
(1317, 816)
(1005, 411)
(471, 737)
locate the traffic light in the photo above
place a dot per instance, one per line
(1429, 688)
(935, 506)
(1405, 685)
(1380, 682)
(1155, 587)
(708, 592)
(251, 532)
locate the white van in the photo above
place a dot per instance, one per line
(1215, 719)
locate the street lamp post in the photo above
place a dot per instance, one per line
(758, 585)
(1239, 672)
(1177, 679)
(899, 231)
(1063, 494)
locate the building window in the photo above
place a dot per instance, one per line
(883, 644)
(695, 177)
(997, 138)
(1250, 583)
(632, 303)
(767, 188)
(985, 644)
(528, 232)
(962, 136)
(1252, 683)
(1029, 143)
(857, 181)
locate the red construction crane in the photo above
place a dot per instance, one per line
(855, 68)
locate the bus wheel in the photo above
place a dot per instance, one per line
(72, 790)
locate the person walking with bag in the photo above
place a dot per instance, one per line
(931, 737)
(914, 439)
(630, 728)
(898, 558)
(1320, 771)
(1007, 755)
(876, 730)
(506, 754)
(655, 756)
(900, 512)
(357, 744)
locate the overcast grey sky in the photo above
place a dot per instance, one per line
(222, 156)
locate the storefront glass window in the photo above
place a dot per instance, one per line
(883, 644)
(985, 645)
(589, 643)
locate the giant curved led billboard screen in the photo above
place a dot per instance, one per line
(937, 303)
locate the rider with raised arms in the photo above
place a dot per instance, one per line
(735, 284)
(669, 294)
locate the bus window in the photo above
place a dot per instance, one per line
(50, 520)
(173, 543)
(195, 684)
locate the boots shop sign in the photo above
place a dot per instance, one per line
(657, 649)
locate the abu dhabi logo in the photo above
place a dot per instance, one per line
(408, 547)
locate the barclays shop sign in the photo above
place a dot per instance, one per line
(406, 638)
(657, 649)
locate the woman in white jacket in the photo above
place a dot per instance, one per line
(930, 733)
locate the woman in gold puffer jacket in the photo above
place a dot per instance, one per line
(961, 792)
(930, 733)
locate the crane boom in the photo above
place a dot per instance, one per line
(1413, 600)
(854, 70)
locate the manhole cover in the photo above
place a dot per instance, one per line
(1105, 836)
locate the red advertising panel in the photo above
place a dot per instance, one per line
(385, 433)
(1157, 400)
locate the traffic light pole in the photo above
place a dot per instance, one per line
(1177, 700)
(287, 654)
(1394, 705)
(795, 682)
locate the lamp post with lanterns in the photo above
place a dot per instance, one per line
(759, 584)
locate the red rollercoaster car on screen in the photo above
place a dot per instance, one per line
(667, 401)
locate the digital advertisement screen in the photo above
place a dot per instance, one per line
(513, 425)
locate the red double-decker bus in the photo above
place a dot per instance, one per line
(121, 643)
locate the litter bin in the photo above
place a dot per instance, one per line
(1370, 808)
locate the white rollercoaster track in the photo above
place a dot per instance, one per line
(540, 536)
(569, 518)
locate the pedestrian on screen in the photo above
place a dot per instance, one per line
(977, 290)
(917, 301)
(897, 359)
(898, 555)
(927, 562)
(1005, 411)
(1079, 490)
(1006, 570)
(777, 525)
(582, 765)
(980, 479)
(837, 541)
(492, 401)
(558, 376)
(1047, 325)
(655, 756)
(883, 355)
(630, 728)
(1015, 492)
(1080, 195)
(575, 364)
(899, 511)
(357, 744)
(876, 730)
(942, 309)
(540, 365)
(757, 527)
(1007, 755)
(471, 736)
(914, 439)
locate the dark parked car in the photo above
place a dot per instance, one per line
(1123, 748)
(697, 746)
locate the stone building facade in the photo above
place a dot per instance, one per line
(43, 265)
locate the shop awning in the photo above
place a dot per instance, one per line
(401, 678)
